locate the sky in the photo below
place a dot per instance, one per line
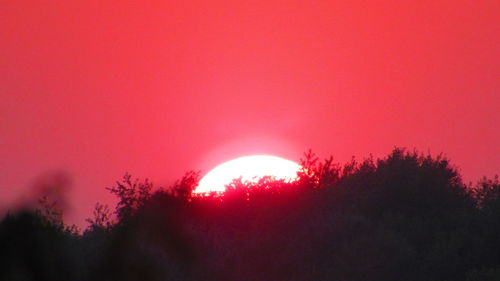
(93, 89)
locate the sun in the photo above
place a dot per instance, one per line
(249, 168)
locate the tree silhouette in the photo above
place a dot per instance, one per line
(132, 195)
(406, 216)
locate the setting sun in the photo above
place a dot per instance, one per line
(249, 168)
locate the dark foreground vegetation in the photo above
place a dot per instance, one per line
(404, 217)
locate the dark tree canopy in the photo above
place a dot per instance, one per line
(407, 216)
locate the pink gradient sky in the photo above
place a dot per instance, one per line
(98, 88)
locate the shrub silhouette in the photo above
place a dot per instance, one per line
(407, 216)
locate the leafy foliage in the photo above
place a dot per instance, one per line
(102, 218)
(132, 195)
(407, 216)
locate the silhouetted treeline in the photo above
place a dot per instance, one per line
(403, 217)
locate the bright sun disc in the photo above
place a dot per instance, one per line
(249, 168)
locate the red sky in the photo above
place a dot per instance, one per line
(97, 88)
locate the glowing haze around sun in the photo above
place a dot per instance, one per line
(249, 168)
